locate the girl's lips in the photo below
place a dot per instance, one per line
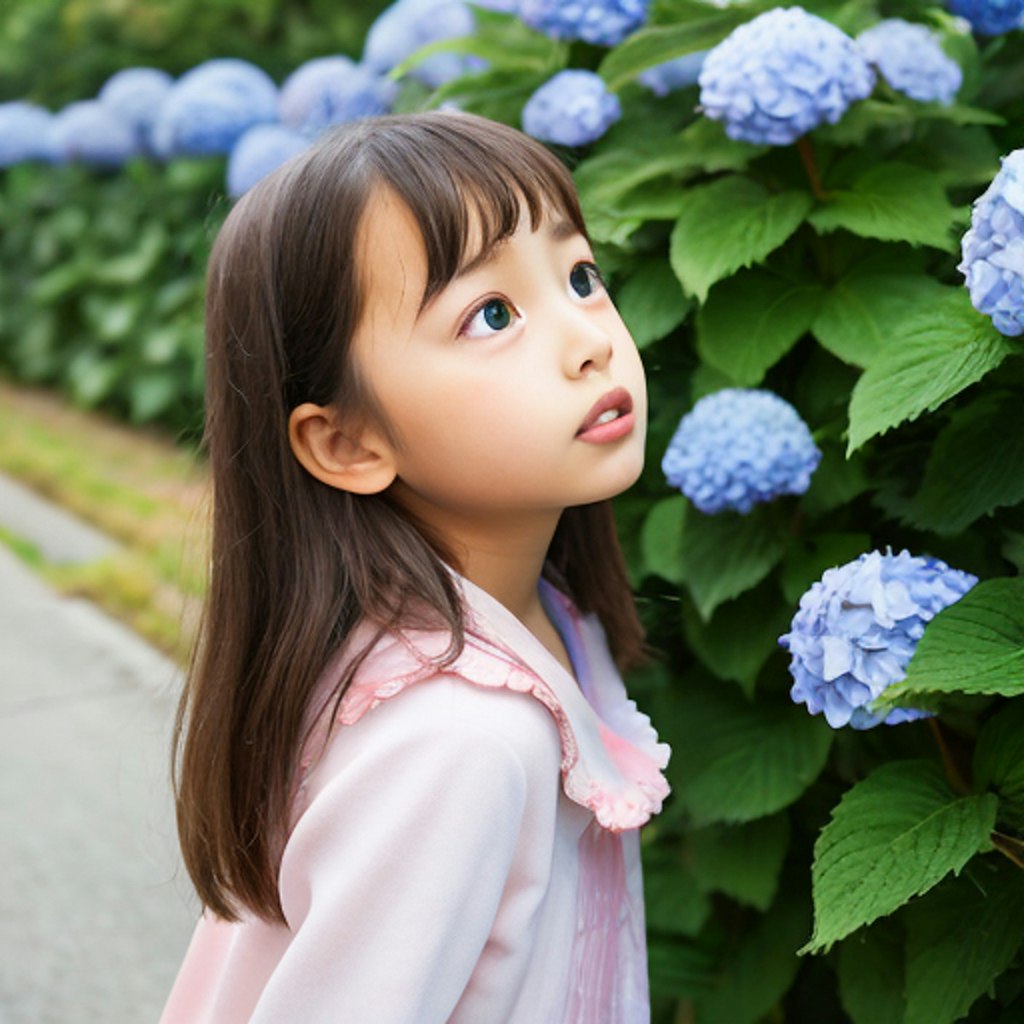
(617, 400)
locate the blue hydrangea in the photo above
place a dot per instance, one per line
(331, 90)
(571, 109)
(602, 22)
(409, 25)
(857, 629)
(24, 133)
(137, 94)
(212, 106)
(673, 74)
(90, 133)
(262, 149)
(778, 76)
(990, 17)
(993, 248)
(738, 448)
(911, 59)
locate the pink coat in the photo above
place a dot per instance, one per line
(467, 852)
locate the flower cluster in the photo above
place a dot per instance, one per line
(857, 629)
(990, 17)
(332, 90)
(778, 76)
(910, 58)
(407, 25)
(91, 133)
(673, 74)
(137, 95)
(738, 448)
(24, 133)
(212, 106)
(262, 149)
(993, 248)
(602, 22)
(571, 109)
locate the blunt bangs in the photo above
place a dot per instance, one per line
(467, 182)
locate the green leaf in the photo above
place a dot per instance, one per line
(676, 905)
(999, 760)
(806, 562)
(892, 201)
(893, 836)
(662, 538)
(960, 938)
(976, 645)
(836, 481)
(734, 761)
(975, 467)
(859, 313)
(752, 320)
(760, 970)
(870, 972)
(726, 554)
(651, 302)
(678, 969)
(731, 223)
(698, 27)
(758, 616)
(930, 358)
(742, 861)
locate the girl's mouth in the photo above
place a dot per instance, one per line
(610, 418)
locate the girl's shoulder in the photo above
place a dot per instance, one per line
(610, 759)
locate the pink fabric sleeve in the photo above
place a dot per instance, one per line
(394, 874)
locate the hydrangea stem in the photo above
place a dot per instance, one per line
(807, 156)
(953, 774)
(1012, 849)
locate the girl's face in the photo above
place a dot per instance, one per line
(516, 392)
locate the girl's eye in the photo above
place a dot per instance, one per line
(585, 279)
(493, 316)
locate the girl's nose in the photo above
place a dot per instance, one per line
(587, 346)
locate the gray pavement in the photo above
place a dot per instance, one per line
(95, 909)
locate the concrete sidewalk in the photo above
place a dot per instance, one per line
(95, 909)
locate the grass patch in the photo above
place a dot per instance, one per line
(133, 484)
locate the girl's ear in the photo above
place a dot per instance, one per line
(340, 454)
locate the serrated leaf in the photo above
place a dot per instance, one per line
(651, 302)
(893, 836)
(735, 761)
(742, 861)
(870, 973)
(859, 313)
(930, 358)
(960, 938)
(661, 538)
(752, 320)
(976, 645)
(731, 223)
(727, 554)
(697, 27)
(999, 760)
(894, 202)
(760, 970)
(758, 616)
(975, 467)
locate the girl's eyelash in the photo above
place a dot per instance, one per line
(479, 307)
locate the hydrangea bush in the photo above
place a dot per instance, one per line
(779, 205)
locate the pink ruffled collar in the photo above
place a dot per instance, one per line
(612, 762)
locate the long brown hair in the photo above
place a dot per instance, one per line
(295, 563)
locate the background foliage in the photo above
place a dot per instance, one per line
(797, 874)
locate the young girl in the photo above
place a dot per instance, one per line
(409, 780)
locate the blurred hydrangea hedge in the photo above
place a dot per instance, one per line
(812, 219)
